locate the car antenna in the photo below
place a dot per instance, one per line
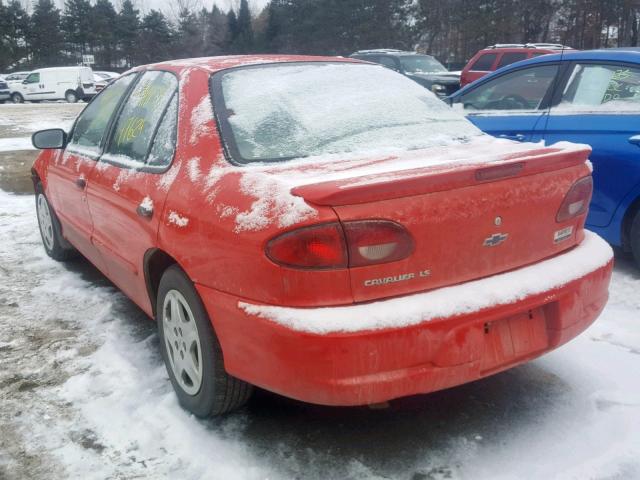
(555, 85)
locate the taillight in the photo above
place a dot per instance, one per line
(317, 247)
(576, 202)
(335, 245)
(376, 241)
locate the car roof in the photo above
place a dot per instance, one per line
(384, 51)
(630, 55)
(215, 64)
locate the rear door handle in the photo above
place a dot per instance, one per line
(635, 140)
(144, 211)
(81, 183)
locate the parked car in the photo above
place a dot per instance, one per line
(423, 69)
(60, 83)
(590, 97)
(336, 255)
(497, 56)
(102, 79)
(16, 77)
(5, 93)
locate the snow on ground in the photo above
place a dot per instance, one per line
(84, 394)
(13, 144)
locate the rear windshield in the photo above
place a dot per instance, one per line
(484, 63)
(279, 112)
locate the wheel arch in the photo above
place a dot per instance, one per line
(155, 263)
(627, 221)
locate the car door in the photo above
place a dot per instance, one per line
(513, 104)
(32, 89)
(125, 190)
(599, 104)
(67, 176)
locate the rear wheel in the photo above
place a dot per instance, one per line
(71, 96)
(54, 243)
(17, 98)
(191, 351)
(634, 238)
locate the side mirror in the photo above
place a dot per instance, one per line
(24, 82)
(55, 138)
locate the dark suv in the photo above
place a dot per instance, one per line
(424, 69)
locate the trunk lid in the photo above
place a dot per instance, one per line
(472, 211)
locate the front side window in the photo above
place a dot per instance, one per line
(484, 63)
(421, 64)
(92, 123)
(601, 88)
(33, 78)
(520, 90)
(278, 112)
(139, 119)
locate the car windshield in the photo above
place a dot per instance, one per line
(280, 112)
(421, 64)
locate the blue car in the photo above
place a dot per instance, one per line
(590, 97)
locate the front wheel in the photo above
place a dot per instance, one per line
(54, 243)
(191, 351)
(71, 97)
(17, 98)
(634, 238)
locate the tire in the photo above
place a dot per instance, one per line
(634, 238)
(17, 98)
(71, 96)
(195, 366)
(54, 243)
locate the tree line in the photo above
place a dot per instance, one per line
(452, 30)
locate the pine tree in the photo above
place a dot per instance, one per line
(243, 41)
(76, 24)
(216, 33)
(45, 38)
(189, 35)
(103, 22)
(127, 29)
(155, 38)
(14, 28)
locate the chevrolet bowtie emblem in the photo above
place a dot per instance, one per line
(495, 239)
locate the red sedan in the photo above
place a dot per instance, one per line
(322, 228)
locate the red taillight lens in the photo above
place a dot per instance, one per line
(376, 241)
(576, 202)
(317, 247)
(332, 245)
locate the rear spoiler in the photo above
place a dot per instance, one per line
(418, 181)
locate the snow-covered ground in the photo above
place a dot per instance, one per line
(85, 395)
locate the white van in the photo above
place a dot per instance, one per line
(61, 83)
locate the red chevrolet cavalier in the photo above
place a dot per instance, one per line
(322, 228)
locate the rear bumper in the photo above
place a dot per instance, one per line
(263, 346)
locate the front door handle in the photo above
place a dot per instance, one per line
(81, 183)
(514, 136)
(635, 140)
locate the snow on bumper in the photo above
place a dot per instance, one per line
(592, 254)
(421, 343)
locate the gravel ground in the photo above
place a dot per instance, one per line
(84, 394)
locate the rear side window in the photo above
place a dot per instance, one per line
(524, 89)
(509, 58)
(608, 88)
(387, 62)
(164, 144)
(484, 63)
(140, 118)
(93, 121)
